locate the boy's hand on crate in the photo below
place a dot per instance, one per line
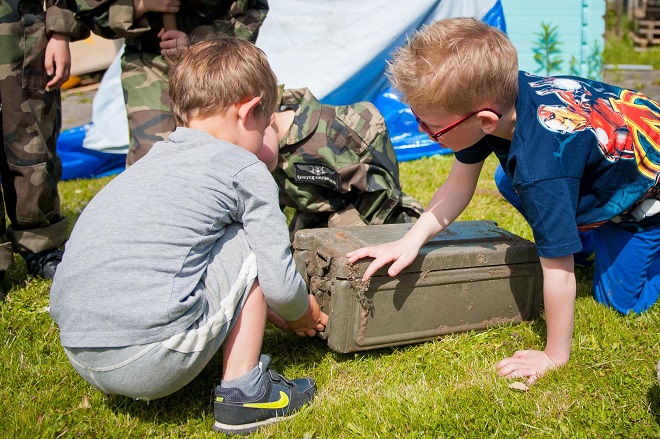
(173, 43)
(401, 253)
(314, 320)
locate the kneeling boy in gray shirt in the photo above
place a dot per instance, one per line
(188, 250)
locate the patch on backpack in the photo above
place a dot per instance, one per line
(316, 174)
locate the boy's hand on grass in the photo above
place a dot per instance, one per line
(314, 320)
(401, 253)
(529, 364)
(57, 61)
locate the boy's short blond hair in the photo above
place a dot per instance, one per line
(456, 65)
(214, 74)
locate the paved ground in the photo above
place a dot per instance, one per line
(77, 102)
(77, 106)
(645, 81)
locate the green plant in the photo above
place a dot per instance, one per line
(574, 66)
(548, 55)
(622, 51)
(595, 62)
(619, 47)
(546, 51)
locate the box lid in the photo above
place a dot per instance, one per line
(463, 244)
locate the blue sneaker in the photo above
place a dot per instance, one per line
(277, 399)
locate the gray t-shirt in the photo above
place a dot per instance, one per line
(132, 267)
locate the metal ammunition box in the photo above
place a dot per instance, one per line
(471, 276)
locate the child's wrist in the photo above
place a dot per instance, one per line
(557, 359)
(60, 37)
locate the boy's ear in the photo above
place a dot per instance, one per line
(489, 121)
(246, 108)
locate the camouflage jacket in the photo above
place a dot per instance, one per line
(25, 27)
(335, 156)
(197, 18)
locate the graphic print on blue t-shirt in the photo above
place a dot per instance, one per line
(625, 123)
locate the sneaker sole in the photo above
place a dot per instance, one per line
(243, 429)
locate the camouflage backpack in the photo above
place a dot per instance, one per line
(339, 159)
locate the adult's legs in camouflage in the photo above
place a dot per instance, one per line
(144, 80)
(30, 170)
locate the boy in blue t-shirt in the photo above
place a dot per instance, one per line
(581, 155)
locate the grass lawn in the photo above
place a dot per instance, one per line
(445, 388)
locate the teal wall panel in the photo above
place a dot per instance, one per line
(579, 26)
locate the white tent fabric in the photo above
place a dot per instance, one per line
(336, 48)
(109, 129)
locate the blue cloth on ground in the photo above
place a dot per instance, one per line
(80, 162)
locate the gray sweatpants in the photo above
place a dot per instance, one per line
(158, 369)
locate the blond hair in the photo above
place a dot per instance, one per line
(214, 74)
(456, 65)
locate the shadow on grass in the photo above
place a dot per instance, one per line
(584, 278)
(653, 397)
(16, 275)
(195, 400)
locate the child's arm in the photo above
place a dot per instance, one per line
(121, 18)
(141, 7)
(314, 320)
(57, 60)
(559, 289)
(446, 205)
(61, 28)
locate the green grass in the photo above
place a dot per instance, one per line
(621, 50)
(446, 388)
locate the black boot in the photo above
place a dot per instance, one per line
(43, 264)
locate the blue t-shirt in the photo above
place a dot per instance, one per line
(582, 153)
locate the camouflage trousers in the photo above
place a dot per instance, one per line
(146, 93)
(29, 169)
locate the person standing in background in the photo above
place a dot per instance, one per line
(34, 62)
(150, 44)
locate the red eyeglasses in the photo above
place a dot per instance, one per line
(436, 135)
